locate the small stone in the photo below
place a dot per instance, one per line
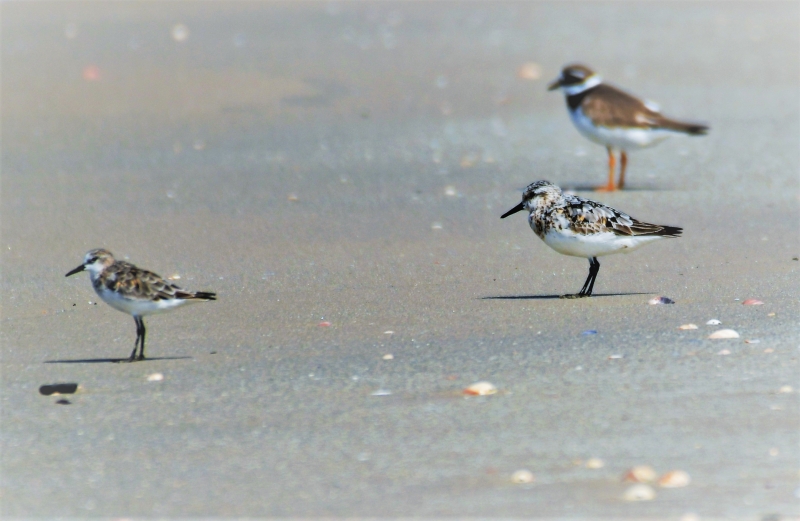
(641, 474)
(660, 300)
(595, 463)
(713, 322)
(686, 327)
(522, 477)
(752, 302)
(674, 479)
(723, 334)
(63, 401)
(480, 389)
(639, 492)
(589, 332)
(155, 377)
(388, 357)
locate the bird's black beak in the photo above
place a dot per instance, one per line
(553, 85)
(518, 208)
(76, 270)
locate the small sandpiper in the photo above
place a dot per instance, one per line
(135, 291)
(615, 119)
(575, 226)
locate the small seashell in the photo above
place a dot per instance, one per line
(689, 516)
(436, 226)
(713, 322)
(785, 389)
(614, 357)
(155, 377)
(723, 333)
(480, 389)
(752, 302)
(523, 476)
(724, 352)
(293, 198)
(641, 474)
(595, 463)
(450, 191)
(388, 357)
(529, 71)
(639, 492)
(57, 389)
(687, 326)
(388, 332)
(324, 323)
(660, 300)
(769, 350)
(770, 314)
(674, 479)
(752, 341)
(382, 392)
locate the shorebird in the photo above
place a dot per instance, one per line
(615, 119)
(580, 227)
(134, 291)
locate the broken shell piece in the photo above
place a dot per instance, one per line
(155, 377)
(641, 474)
(388, 332)
(595, 463)
(674, 479)
(529, 71)
(687, 326)
(723, 333)
(752, 302)
(388, 357)
(639, 492)
(382, 392)
(785, 389)
(752, 341)
(436, 226)
(480, 389)
(324, 323)
(660, 300)
(724, 352)
(614, 357)
(769, 350)
(713, 322)
(523, 476)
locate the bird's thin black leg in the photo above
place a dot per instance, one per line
(136, 344)
(594, 269)
(141, 345)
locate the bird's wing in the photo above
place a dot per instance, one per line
(591, 217)
(135, 283)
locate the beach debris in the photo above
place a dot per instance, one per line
(771, 314)
(640, 474)
(388, 356)
(57, 389)
(752, 302)
(450, 191)
(752, 341)
(324, 323)
(436, 226)
(388, 332)
(180, 33)
(639, 492)
(769, 350)
(382, 392)
(595, 463)
(155, 377)
(589, 332)
(674, 479)
(614, 357)
(522, 477)
(686, 327)
(724, 352)
(660, 300)
(91, 73)
(785, 389)
(531, 71)
(481, 389)
(713, 322)
(293, 198)
(723, 334)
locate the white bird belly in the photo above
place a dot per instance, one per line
(568, 242)
(622, 138)
(139, 307)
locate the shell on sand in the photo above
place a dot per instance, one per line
(723, 333)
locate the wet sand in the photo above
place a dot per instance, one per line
(347, 164)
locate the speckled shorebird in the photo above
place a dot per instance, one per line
(579, 227)
(615, 119)
(135, 291)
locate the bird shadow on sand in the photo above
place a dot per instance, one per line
(113, 360)
(558, 297)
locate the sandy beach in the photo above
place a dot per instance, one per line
(336, 172)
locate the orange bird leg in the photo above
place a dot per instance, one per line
(623, 163)
(611, 163)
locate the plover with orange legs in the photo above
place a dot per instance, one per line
(579, 227)
(615, 119)
(134, 291)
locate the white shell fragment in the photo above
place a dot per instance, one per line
(785, 389)
(480, 389)
(388, 356)
(723, 333)
(523, 476)
(639, 492)
(686, 327)
(713, 322)
(382, 392)
(724, 352)
(660, 300)
(595, 463)
(674, 479)
(155, 377)
(641, 474)
(752, 302)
